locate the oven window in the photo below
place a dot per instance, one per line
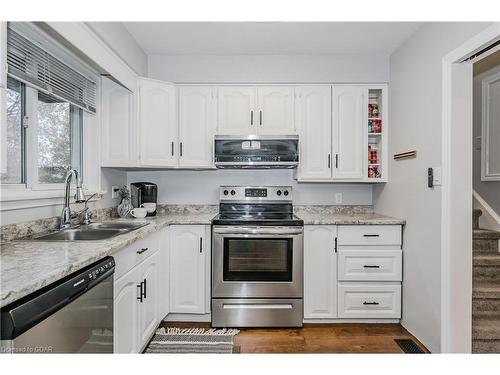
(257, 259)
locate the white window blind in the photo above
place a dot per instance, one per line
(30, 63)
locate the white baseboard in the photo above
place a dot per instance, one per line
(489, 219)
(188, 318)
(340, 321)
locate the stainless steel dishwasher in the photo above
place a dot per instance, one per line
(72, 315)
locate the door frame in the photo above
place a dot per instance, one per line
(456, 193)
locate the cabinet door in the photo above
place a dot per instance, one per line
(148, 318)
(320, 271)
(237, 111)
(275, 110)
(314, 123)
(187, 268)
(349, 140)
(118, 125)
(197, 121)
(164, 273)
(126, 313)
(158, 125)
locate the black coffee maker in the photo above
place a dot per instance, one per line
(144, 193)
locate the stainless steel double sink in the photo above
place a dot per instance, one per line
(91, 232)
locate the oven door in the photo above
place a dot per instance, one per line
(257, 262)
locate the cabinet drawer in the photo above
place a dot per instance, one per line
(369, 235)
(369, 301)
(134, 254)
(369, 265)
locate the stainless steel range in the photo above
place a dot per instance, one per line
(257, 259)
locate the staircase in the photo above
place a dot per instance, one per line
(485, 288)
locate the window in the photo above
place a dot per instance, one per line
(52, 128)
(15, 133)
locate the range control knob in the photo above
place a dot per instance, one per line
(278, 193)
(285, 193)
(233, 192)
(226, 192)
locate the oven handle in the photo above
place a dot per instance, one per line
(245, 230)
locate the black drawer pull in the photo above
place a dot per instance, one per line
(370, 266)
(371, 235)
(140, 292)
(142, 250)
(144, 291)
(370, 303)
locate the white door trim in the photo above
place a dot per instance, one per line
(456, 243)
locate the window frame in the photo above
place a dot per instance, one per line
(32, 175)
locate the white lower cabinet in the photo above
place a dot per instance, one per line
(352, 272)
(375, 300)
(189, 254)
(138, 291)
(126, 313)
(320, 271)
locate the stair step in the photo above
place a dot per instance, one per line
(485, 234)
(486, 289)
(485, 346)
(485, 305)
(486, 273)
(485, 245)
(486, 327)
(486, 259)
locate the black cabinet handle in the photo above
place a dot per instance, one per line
(260, 115)
(370, 266)
(172, 148)
(201, 244)
(336, 241)
(329, 161)
(370, 303)
(142, 250)
(144, 290)
(140, 292)
(336, 160)
(371, 235)
(181, 148)
(251, 117)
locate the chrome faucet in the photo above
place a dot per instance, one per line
(66, 214)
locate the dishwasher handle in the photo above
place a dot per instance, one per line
(20, 316)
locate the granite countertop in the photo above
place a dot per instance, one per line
(313, 218)
(27, 266)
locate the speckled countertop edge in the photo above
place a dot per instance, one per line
(27, 266)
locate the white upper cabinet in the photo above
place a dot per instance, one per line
(188, 256)
(349, 137)
(236, 111)
(158, 124)
(197, 122)
(256, 110)
(118, 125)
(314, 124)
(275, 110)
(320, 271)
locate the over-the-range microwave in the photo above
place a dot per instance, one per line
(254, 152)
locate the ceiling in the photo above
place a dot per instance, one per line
(270, 38)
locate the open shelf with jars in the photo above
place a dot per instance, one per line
(376, 130)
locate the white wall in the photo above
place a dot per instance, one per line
(488, 190)
(202, 187)
(415, 111)
(270, 68)
(108, 177)
(119, 40)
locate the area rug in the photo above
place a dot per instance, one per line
(192, 340)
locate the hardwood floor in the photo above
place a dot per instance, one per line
(317, 338)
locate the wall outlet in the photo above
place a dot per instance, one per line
(338, 198)
(114, 192)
